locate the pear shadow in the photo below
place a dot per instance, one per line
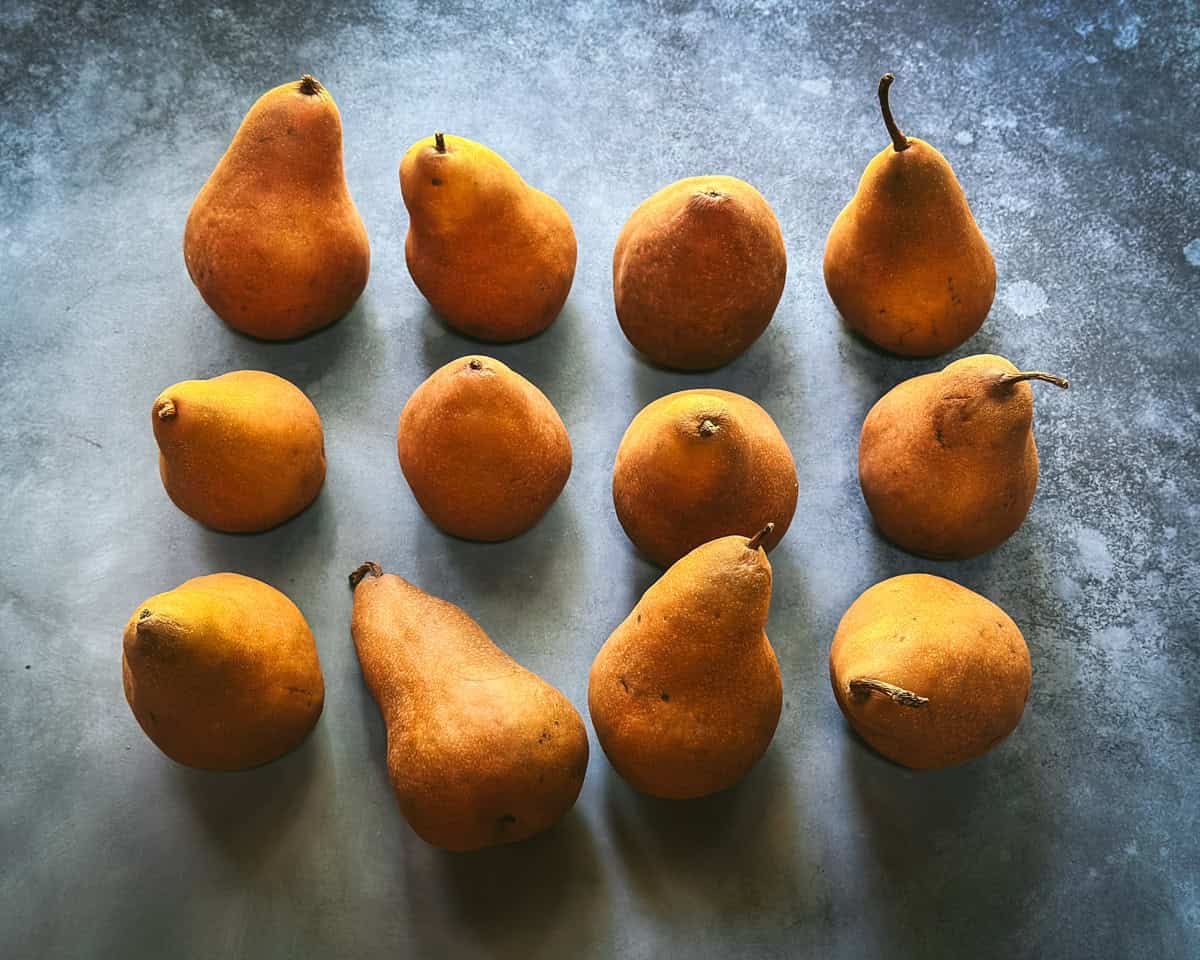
(519, 899)
(718, 857)
(246, 814)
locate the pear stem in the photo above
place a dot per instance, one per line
(309, 85)
(755, 541)
(439, 142)
(861, 687)
(370, 567)
(1034, 375)
(899, 140)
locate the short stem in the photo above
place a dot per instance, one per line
(370, 567)
(899, 140)
(707, 428)
(439, 142)
(1034, 375)
(309, 86)
(165, 410)
(861, 687)
(756, 541)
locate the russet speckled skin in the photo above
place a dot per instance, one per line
(492, 255)
(698, 270)
(222, 672)
(480, 751)
(273, 241)
(701, 464)
(686, 693)
(942, 642)
(947, 461)
(242, 452)
(483, 450)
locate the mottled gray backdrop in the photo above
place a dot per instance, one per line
(1073, 128)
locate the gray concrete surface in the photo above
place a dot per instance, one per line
(1073, 128)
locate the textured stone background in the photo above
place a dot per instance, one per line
(1074, 131)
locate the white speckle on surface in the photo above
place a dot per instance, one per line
(818, 86)
(1088, 58)
(1169, 533)
(1131, 848)
(964, 137)
(1093, 552)
(1128, 33)
(1024, 298)
(1084, 27)
(16, 250)
(1191, 252)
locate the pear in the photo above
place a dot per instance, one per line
(492, 255)
(947, 461)
(274, 242)
(927, 672)
(905, 262)
(686, 693)
(698, 271)
(222, 672)
(479, 750)
(684, 468)
(483, 450)
(242, 452)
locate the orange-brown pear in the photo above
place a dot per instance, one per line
(701, 464)
(685, 694)
(480, 751)
(222, 672)
(929, 673)
(492, 255)
(698, 271)
(242, 452)
(947, 461)
(905, 262)
(274, 242)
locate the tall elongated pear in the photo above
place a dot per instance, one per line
(686, 693)
(947, 461)
(905, 262)
(274, 242)
(480, 751)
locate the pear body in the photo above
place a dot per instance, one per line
(480, 751)
(483, 450)
(698, 271)
(947, 461)
(492, 255)
(222, 672)
(242, 452)
(943, 643)
(685, 695)
(701, 464)
(905, 261)
(274, 242)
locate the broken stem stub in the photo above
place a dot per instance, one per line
(370, 567)
(756, 541)
(439, 142)
(862, 687)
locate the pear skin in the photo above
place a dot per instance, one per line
(929, 673)
(242, 452)
(685, 695)
(222, 672)
(698, 271)
(905, 261)
(480, 751)
(484, 452)
(947, 461)
(274, 242)
(684, 469)
(492, 255)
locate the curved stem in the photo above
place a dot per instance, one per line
(756, 541)
(370, 567)
(899, 140)
(861, 687)
(309, 85)
(439, 142)
(1034, 375)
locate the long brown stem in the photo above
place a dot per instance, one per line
(370, 567)
(439, 142)
(755, 541)
(861, 687)
(1034, 375)
(899, 140)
